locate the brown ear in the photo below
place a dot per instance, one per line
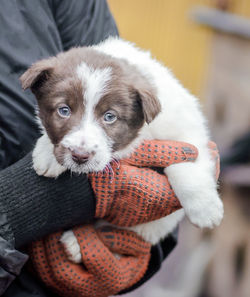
(150, 103)
(36, 75)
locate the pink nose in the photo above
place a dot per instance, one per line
(80, 157)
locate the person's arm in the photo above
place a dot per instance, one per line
(36, 206)
(32, 207)
(83, 23)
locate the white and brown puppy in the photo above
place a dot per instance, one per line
(97, 103)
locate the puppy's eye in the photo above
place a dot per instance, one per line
(64, 111)
(109, 117)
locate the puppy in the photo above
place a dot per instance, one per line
(97, 103)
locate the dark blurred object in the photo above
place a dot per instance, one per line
(239, 176)
(238, 153)
(235, 162)
(235, 165)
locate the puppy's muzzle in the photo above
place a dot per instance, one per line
(80, 156)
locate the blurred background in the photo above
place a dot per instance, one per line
(207, 46)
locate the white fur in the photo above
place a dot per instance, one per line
(158, 229)
(69, 240)
(89, 135)
(44, 161)
(181, 119)
(95, 83)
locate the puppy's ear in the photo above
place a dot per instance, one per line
(149, 102)
(37, 75)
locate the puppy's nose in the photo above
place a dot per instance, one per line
(79, 156)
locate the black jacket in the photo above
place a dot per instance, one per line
(32, 206)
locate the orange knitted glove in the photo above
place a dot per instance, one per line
(128, 195)
(102, 273)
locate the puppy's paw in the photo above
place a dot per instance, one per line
(206, 212)
(71, 246)
(44, 161)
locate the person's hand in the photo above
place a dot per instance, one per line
(130, 193)
(102, 273)
(113, 260)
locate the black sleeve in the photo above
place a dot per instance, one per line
(83, 23)
(36, 206)
(11, 261)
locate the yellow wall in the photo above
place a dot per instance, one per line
(165, 27)
(241, 7)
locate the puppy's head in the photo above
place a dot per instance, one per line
(91, 105)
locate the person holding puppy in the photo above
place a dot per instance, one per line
(32, 207)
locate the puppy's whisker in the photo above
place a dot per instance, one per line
(106, 169)
(117, 162)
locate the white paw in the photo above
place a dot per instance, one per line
(206, 212)
(195, 187)
(71, 246)
(44, 161)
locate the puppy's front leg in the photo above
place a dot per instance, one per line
(71, 246)
(195, 186)
(44, 160)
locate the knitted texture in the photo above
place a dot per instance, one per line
(36, 206)
(128, 195)
(162, 153)
(102, 273)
